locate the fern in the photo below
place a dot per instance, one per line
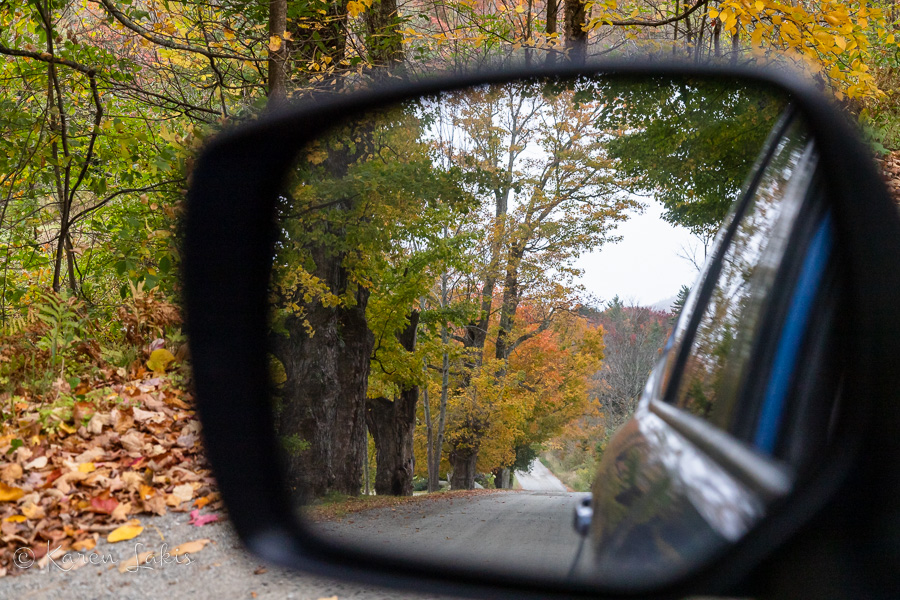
(61, 317)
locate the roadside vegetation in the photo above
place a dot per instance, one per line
(488, 363)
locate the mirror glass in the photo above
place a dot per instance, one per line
(450, 358)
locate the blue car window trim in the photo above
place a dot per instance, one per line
(796, 322)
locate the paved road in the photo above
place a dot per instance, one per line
(539, 478)
(529, 532)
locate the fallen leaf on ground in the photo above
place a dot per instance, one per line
(39, 463)
(11, 472)
(260, 570)
(10, 494)
(135, 561)
(33, 511)
(104, 504)
(121, 512)
(183, 492)
(159, 360)
(190, 547)
(126, 532)
(85, 545)
(200, 521)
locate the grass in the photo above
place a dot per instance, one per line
(337, 506)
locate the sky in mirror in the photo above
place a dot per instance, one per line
(443, 310)
(650, 264)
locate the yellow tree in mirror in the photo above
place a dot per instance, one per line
(429, 325)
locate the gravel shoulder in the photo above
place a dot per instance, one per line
(222, 569)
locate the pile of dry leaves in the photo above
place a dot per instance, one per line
(890, 170)
(73, 471)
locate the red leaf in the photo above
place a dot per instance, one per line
(104, 505)
(199, 521)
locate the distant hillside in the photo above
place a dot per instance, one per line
(664, 305)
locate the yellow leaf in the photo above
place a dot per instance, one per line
(520, 9)
(354, 8)
(756, 37)
(67, 428)
(713, 13)
(189, 547)
(87, 467)
(159, 360)
(759, 6)
(33, 511)
(15, 519)
(840, 42)
(10, 494)
(125, 532)
(789, 28)
(274, 43)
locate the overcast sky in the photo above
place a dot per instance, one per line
(645, 265)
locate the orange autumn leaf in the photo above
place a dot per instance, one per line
(84, 545)
(146, 492)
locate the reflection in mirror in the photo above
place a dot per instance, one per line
(445, 385)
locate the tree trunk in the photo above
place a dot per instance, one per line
(576, 37)
(384, 42)
(278, 59)
(463, 460)
(434, 468)
(550, 29)
(510, 302)
(502, 478)
(324, 395)
(392, 425)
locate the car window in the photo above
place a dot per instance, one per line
(729, 324)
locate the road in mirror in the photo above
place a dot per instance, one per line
(444, 383)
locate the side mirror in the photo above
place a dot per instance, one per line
(378, 264)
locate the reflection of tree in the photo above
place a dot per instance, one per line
(361, 216)
(690, 143)
(634, 336)
(534, 157)
(728, 326)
